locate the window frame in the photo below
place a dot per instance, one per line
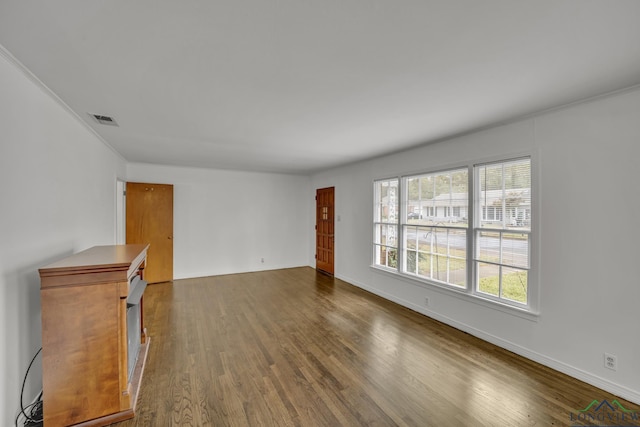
(378, 222)
(431, 229)
(478, 228)
(530, 310)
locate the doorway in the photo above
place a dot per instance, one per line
(325, 206)
(149, 220)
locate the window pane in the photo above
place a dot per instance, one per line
(458, 257)
(427, 190)
(505, 194)
(442, 199)
(514, 284)
(458, 243)
(392, 201)
(386, 256)
(441, 254)
(491, 177)
(392, 235)
(488, 246)
(439, 268)
(380, 234)
(440, 241)
(438, 198)
(378, 212)
(392, 258)
(386, 197)
(412, 205)
(458, 271)
(414, 212)
(410, 237)
(491, 183)
(410, 259)
(488, 278)
(515, 249)
(459, 197)
(424, 265)
(517, 174)
(425, 238)
(385, 234)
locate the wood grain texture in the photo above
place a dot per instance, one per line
(325, 208)
(297, 348)
(149, 219)
(99, 264)
(81, 380)
(84, 336)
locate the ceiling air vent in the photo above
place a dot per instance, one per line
(104, 120)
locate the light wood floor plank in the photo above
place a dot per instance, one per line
(297, 348)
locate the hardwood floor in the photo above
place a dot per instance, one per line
(297, 348)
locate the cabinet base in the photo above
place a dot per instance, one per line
(136, 380)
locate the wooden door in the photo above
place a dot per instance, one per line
(150, 221)
(324, 229)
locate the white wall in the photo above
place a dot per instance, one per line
(589, 207)
(58, 197)
(57, 187)
(227, 221)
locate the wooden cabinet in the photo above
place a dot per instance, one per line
(87, 375)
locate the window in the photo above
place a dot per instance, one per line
(385, 219)
(503, 232)
(466, 229)
(435, 247)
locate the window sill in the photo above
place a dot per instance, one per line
(460, 294)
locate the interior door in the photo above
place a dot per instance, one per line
(325, 199)
(149, 219)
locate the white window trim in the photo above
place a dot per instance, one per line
(531, 310)
(461, 294)
(375, 223)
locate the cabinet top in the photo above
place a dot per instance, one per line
(118, 259)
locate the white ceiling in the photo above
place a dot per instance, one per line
(297, 86)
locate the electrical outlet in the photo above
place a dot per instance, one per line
(611, 361)
(426, 301)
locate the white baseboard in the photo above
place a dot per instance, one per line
(589, 378)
